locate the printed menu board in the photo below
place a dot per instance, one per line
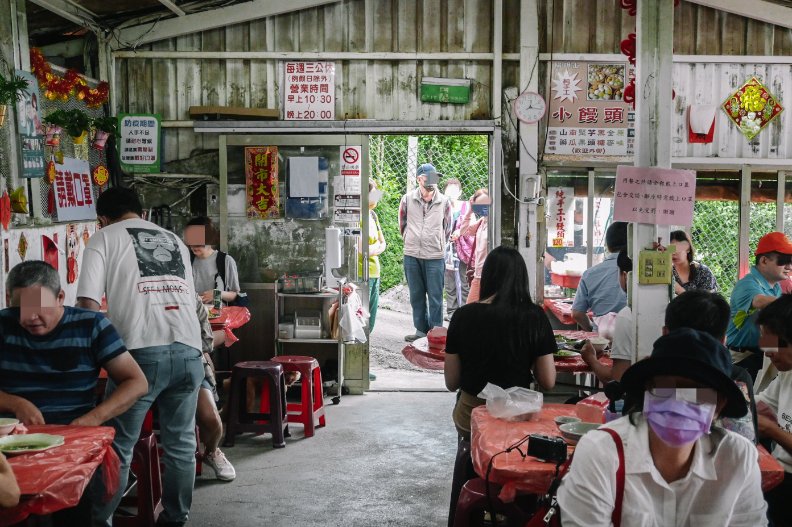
(588, 114)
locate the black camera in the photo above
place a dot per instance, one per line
(547, 448)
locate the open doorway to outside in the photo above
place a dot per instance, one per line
(394, 160)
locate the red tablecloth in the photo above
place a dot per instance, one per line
(490, 435)
(576, 364)
(231, 317)
(56, 478)
(561, 308)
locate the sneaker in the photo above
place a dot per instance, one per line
(413, 337)
(372, 377)
(223, 469)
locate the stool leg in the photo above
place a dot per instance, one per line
(318, 397)
(232, 415)
(307, 403)
(277, 408)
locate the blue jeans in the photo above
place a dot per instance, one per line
(174, 373)
(374, 288)
(425, 280)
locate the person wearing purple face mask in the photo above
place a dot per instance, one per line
(681, 470)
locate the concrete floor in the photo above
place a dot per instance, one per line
(383, 459)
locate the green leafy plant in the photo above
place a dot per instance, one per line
(12, 89)
(74, 122)
(107, 124)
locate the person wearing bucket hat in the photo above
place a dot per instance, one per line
(425, 223)
(679, 468)
(753, 292)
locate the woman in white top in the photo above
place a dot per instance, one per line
(680, 469)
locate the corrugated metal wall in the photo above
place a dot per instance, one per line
(388, 89)
(712, 84)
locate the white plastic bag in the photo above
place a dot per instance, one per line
(606, 324)
(353, 319)
(513, 404)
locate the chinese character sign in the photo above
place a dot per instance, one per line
(138, 147)
(261, 181)
(561, 216)
(309, 93)
(658, 196)
(588, 115)
(74, 199)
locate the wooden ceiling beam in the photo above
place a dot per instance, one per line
(203, 21)
(70, 11)
(762, 10)
(173, 7)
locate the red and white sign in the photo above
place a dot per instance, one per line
(658, 196)
(588, 114)
(74, 199)
(350, 161)
(309, 91)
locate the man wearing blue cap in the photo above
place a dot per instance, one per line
(425, 223)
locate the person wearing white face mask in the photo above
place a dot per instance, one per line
(458, 251)
(673, 466)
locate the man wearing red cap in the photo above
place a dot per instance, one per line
(753, 292)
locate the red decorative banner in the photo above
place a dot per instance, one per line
(261, 178)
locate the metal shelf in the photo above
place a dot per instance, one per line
(309, 341)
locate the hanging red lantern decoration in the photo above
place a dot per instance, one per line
(628, 47)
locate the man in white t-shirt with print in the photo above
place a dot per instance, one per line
(145, 273)
(774, 404)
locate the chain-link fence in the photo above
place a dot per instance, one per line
(394, 158)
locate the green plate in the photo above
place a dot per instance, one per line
(565, 354)
(27, 443)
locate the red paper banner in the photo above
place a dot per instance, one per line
(261, 178)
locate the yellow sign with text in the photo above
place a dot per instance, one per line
(655, 267)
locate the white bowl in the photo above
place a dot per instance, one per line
(7, 425)
(599, 343)
(572, 432)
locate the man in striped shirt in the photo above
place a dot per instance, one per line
(51, 355)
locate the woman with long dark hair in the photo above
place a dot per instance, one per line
(504, 339)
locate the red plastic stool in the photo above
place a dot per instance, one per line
(273, 421)
(310, 410)
(473, 502)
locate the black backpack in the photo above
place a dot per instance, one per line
(242, 299)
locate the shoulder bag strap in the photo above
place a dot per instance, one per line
(617, 509)
(221, 257)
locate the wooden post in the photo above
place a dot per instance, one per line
(655, 33)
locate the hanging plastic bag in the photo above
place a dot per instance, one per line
(353, 319)
(513, 404)
(606, 324)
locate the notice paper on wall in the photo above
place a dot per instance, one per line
(658, 196)
(347, 215)
(346, 201)
(346, 185)
(303, 177)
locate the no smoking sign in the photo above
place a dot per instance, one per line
(351, 155)
(350, 161)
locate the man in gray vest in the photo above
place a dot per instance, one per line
(425, 222)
